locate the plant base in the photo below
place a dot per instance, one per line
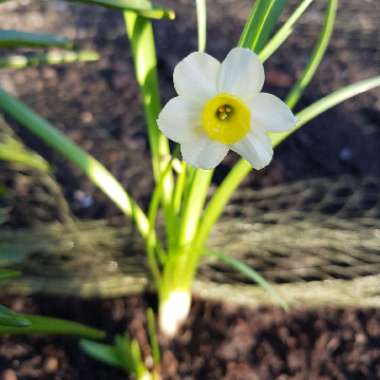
(173, 311)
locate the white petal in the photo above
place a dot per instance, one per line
(196, 75)
(271, 113)
(203, 153)
(179, 120)
(241, 73)
(256, 148)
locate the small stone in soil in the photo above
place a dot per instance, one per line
(8, 374)
(51, 364)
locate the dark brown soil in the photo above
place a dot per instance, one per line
(218, 342)
(98, 106)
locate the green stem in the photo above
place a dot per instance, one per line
(194, 206)
(219, 200)
(202, 24)
(182, 186)
(153, 247)
(188, 203)
(179, 189)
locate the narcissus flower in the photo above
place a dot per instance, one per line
(220, 107)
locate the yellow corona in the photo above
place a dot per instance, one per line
(226, 119)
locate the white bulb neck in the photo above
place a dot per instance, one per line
(173, 311)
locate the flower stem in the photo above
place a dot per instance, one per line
(188, 203)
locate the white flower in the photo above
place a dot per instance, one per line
(220, 107)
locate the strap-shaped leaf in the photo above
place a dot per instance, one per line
(58, 57)
(10, 319)
(317, 55)
(129, 353)
(52, 326)
(6, 274)
(260, 23)
(152, 331)
(15, 38)
(141, 7)
(13, 151)
(105, 353)
(124, 353)
(285, 31)
(322, 105)
(252, 275)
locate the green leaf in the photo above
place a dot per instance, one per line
(123, 347)
(252, 275)
(15, 38)
(141, 37)
(51, 58)
(140, 371)
(105, 353)
(260, 23)
(124, 354)
(152, 331)
(316, 57)
(53, 326)
(130, 354)
(140, 34)
(6, 274)
(326, 103)
(8, 318)
(13, 151)
(285, 31)
(141, 7)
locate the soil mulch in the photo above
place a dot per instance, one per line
(218, 342)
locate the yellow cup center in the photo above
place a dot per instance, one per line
(226, 119)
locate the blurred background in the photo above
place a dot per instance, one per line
(323, 183)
